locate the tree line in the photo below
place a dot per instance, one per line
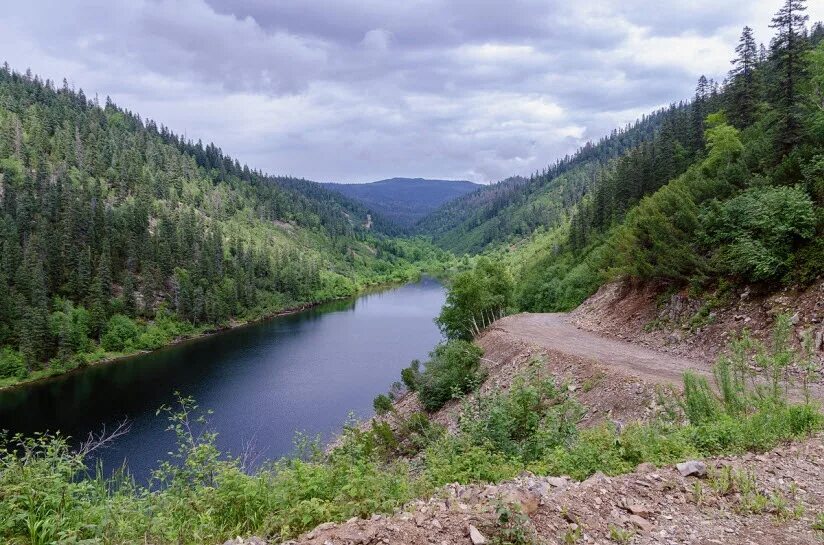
(105, 216)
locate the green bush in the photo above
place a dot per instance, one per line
(453, 370)
(458, 459)
(532, 416)
(700, 403)
(475, 299)
(12, 364)
(410, 376)
(755, 233)
(121, 333)
(382, 404)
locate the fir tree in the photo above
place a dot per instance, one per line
(788, 48)
(744, 95)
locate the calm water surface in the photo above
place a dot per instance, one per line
(265, 382)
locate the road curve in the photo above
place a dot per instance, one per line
(554, 332)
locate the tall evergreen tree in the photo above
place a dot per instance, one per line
(788, 48)
(744, 95)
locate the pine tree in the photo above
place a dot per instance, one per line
(98, 308)
(699, 112)
(129, 301)
(34, 334)
(743, 82)
(788, 48)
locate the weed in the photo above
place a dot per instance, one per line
(591, 382)
(818, 524)
(698, 494)
(573, 535)
(620, 535)
(513, 526)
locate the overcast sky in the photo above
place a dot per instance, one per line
(359, 90)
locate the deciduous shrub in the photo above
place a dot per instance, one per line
(382, 404)
(12, 364)
(410, 376)
(453, 370)
(756, 232)
(121, 332)
(475, 299)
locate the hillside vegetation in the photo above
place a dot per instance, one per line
(737, 196)
(728, 187)
(725, 187)
(117, 235)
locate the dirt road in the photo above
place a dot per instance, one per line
(554, 332)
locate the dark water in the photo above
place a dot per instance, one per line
(265, 382)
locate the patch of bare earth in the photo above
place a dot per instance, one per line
(649, 506)
(649, 314)
(605, 393)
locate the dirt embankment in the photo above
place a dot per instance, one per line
(649, 506)
(606, 392)
(651, 314)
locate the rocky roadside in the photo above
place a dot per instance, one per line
(650, 315)
(753, 499)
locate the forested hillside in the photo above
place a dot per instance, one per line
(739, 198)
(404, 201)
(116, 234)
(725, 187)
(513, 208)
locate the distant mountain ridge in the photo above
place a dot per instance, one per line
(404, 200)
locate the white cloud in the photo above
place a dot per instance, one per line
(360, 90)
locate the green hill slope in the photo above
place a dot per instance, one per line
(513, 208)
(747, 206)
(116, 234)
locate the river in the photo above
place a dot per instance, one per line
(265, 382)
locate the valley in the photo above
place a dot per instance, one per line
(624, 343)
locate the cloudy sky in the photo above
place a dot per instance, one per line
(359, 90)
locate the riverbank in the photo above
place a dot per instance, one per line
(192, 333)
(304, 373)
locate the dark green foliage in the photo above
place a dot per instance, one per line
(382, 404)
(787, 54)
(744, 86)
(410, 376)
(452, 370)
(475, 299)
(756, 233)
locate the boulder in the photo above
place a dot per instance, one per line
(693, 468)
(476, 536)
(641, 523)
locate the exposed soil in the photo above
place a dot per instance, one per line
(607, 393)
(649, 506)
(651, 314)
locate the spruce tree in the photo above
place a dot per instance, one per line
(788, 48)
(744, 95)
